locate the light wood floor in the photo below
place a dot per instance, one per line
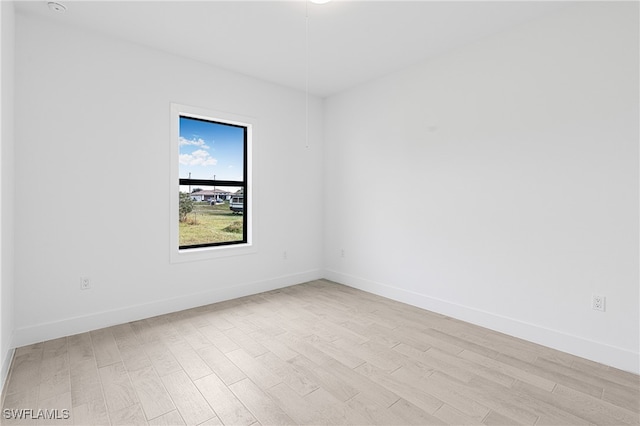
(317, 353)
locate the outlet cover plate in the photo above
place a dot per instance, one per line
(598, 302)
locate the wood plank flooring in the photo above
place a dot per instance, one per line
(316, 353)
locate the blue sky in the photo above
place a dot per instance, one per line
(208, 149)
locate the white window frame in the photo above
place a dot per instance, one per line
(206, 253)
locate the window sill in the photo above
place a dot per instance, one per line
(209, 253)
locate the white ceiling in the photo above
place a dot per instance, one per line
(350, 42)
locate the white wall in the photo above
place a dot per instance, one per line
(511, 173)
(93, 134)
(7, 17)
(510, 169)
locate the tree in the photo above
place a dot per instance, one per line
(186, 206)
(196, 190)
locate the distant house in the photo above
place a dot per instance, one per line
(210, 195)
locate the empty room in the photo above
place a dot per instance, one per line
(350, 212)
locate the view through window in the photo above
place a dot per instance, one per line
(213, 176)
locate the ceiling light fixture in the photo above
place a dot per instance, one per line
(320, 1)
(57, 7)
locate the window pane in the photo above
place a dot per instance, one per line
(206, 216)
(213, 153)
(210, 161)
(210, 150)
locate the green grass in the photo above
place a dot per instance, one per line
(210, 224)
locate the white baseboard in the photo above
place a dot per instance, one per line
(70, 326)
(4, 372)
(594, 351)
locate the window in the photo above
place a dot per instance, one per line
(212, 200)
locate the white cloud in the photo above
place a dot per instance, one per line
(195, 142)
(199, 157)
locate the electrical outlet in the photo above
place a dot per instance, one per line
(285, 256)
(85, 283)
(342, 253)
(598, 302)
